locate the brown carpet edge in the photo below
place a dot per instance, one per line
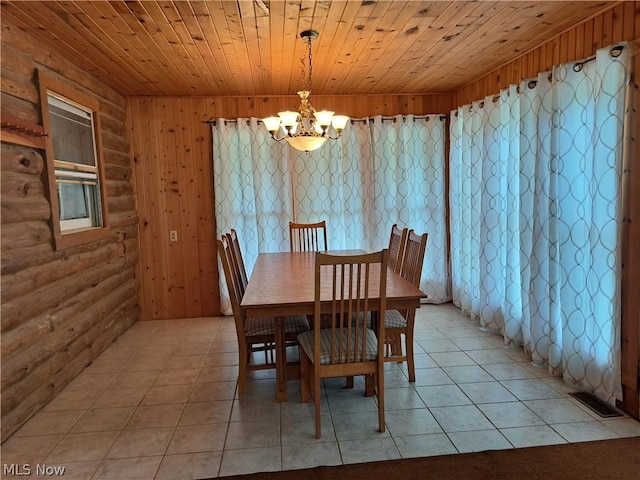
(592, 460)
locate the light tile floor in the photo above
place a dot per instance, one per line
(160, 403)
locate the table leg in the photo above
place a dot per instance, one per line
(281, 361)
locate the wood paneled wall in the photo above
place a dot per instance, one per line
(174, 183)
(620, 23)
(174, 186)
(60, 309)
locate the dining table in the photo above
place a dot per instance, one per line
(283, 283)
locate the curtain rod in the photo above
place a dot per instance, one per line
(614, 51)
(394, 119)
(363, 120)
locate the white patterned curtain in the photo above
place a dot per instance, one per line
(465, 178)
(252, 189)
(535, 217)
(261, 184)
(408, 165)
(333, 184)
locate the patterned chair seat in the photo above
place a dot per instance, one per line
(306, 341)
(392, 319)
(267, 325)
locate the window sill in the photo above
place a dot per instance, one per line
(72, 238)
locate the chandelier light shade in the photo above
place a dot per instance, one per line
(306, 129)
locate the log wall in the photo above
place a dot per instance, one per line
(60, 309)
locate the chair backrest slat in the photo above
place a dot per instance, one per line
(237, 254)
(236, 262)
(233, 285)
(397, 242)
(306, 237)
(414, 257)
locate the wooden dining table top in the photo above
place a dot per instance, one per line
(283, 283)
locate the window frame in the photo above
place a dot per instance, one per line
(64, 238)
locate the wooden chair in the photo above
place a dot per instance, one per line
(397, 242)
(254, 334)
(348, 347)
(398, 323)
(236, 253)
(305, 237)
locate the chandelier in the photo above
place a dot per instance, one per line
(306, 129)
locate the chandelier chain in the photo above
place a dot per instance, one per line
(310, 65)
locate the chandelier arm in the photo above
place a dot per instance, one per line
(328, 135)
(275, 136)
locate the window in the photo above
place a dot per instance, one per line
(70, 120)
(74, 161)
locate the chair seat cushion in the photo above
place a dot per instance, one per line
(306, 341)
(392, 319)
(267, 325)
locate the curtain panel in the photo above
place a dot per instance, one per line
(381, 171)
(535, 192)
(408, 164)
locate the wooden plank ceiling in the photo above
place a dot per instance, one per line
(252, 47)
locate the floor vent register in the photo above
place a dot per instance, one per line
(595, 404)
